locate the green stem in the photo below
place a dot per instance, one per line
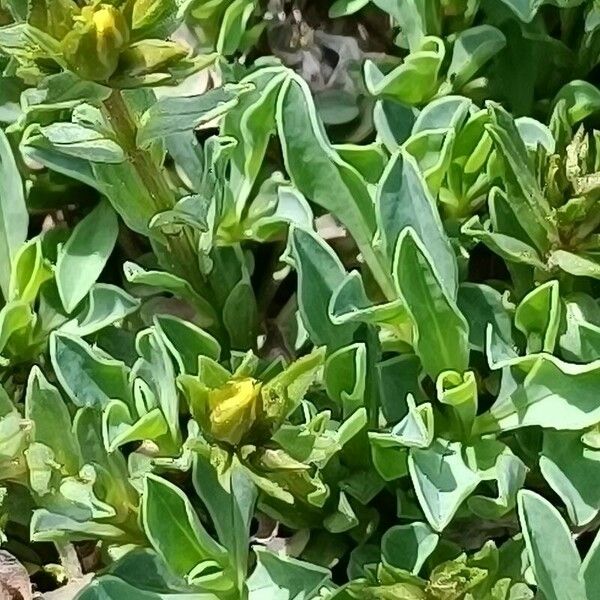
(181, 256)
(184, 260)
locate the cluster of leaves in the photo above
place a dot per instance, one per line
(300, 300)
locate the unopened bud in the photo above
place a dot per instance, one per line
(92, 49)
(233, 410)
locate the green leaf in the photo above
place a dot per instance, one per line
(112, 476)
(320, 174)
(482, 305)
(14, 439)
(186, 342)
(159, 281)
(445, 474)
(390, 459)
(283, 578)
(178, 536)
(343, 518)
(125, 188)
(472, 48)
(176, 114)
(230, 496)
(50, 416)
(155, 18)
(575, 264)
(84, 256)
(47, 526)
(545, 391)
(30, 270)
(88, 377)
(535, 134)
(146, 570)
(433, 152)
(590, 568)
(527, 9)
(155, 368)
(442, 480)
(251, 123)
(415, 81)
(571, 468)
(398, 377)
(240, 314)
(408, 546)
(105, 304)
(16, 323)
(509, 473)
(369, 160)
(14, 219)
(320, 272)
(393, 122)
(459, 392)
(538, 317)
(342, 8)
(447, 112)
(527, 200)
(287, 389)
(77, 141)
(440, 330)
(404, 201)
(233, 26)
(551, 549)
(350, 304)
(119, 427)
(108, 587)
(581, 97)
(417, 428)
(580, 340)
(345, 376)
(37, 148)
(508, 247)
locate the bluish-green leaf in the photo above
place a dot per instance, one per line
(551, 549)
(84, 256)
(14, 219)
(441, 333)
(89, 377)
(320, 272)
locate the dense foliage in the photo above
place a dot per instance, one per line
(300, 300)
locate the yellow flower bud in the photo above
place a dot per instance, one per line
(233, 409)
(104, 21)
(93, 48)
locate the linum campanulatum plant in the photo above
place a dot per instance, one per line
(299, 299)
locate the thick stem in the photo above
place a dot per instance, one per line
(183, 256)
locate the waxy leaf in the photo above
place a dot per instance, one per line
(551, 549)
(320, 272)
(89, 377)
(408, 546)
(14, 219)
(284, 578)
(404, 201)
(571, 468)
(440, 330)
(84, 256)
(173, 114)
(321, 175)
(178, 536)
